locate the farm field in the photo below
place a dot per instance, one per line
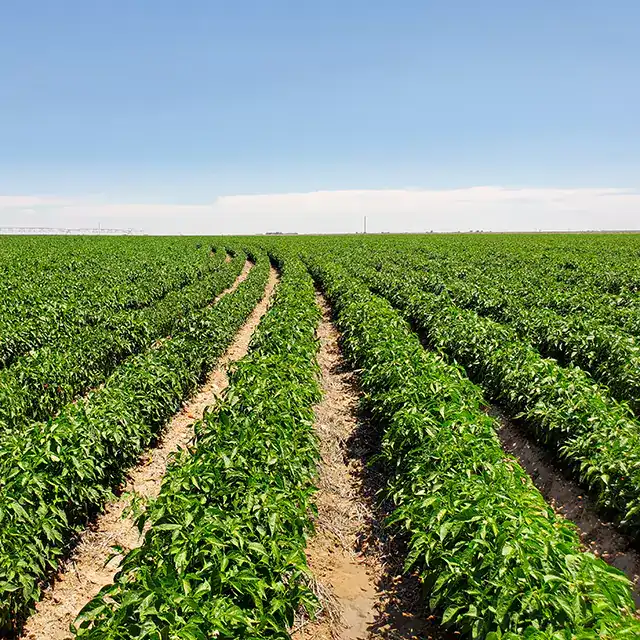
(371, 436)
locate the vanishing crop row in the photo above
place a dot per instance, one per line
(54, 475)
(38, 384)
(52, 298)
(608, 268)
(224, 556)
(596, 437)
(106, 274)
(494, 287)
(496, 561)
(490, 268)
(611, 356)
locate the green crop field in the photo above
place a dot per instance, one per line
(104, 339)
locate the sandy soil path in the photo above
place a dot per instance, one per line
(355, 564)
(93, 563)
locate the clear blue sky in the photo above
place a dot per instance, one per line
(166, 100)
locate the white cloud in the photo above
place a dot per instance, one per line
(488, 208)
(484, 207)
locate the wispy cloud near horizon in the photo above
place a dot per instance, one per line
(489, 208)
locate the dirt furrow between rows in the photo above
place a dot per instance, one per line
(93, 563)
(356, 566)
(567, 498)
(241, 278)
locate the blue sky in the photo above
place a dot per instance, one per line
(180, 103)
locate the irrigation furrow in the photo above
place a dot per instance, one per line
(571, 501)
(241, 278)
(356, 565)
(345, 581)
(94, 562)
(496, 561)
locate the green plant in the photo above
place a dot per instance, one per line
(40, 383)
(495, 560)
(596, 437)
(54, 475)
(224, 556)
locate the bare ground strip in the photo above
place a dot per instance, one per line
(93, 565)
(357, 568)
(571, 501)
(565, 496)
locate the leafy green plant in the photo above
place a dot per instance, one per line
(224, 556)
(38, 384)
(53, 475)
(53, 286)
(596, 437)
(610, 355)
(495, 560)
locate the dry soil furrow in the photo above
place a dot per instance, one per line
(354, 563)
(93, 563)
(241, 278)
(568, 499)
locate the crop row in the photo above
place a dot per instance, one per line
(49, 299)
(496, 561)
(489, 284)
(224, 556)
(608, 277)
(106, 274)
(594, 436)
(56, 474)
(40, 383)
(611, 356)
(488, 281)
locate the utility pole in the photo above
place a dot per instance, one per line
(364, 227)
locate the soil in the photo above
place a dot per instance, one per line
(241, 278)
(93, 563)
(356, 567)
(568, 499)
